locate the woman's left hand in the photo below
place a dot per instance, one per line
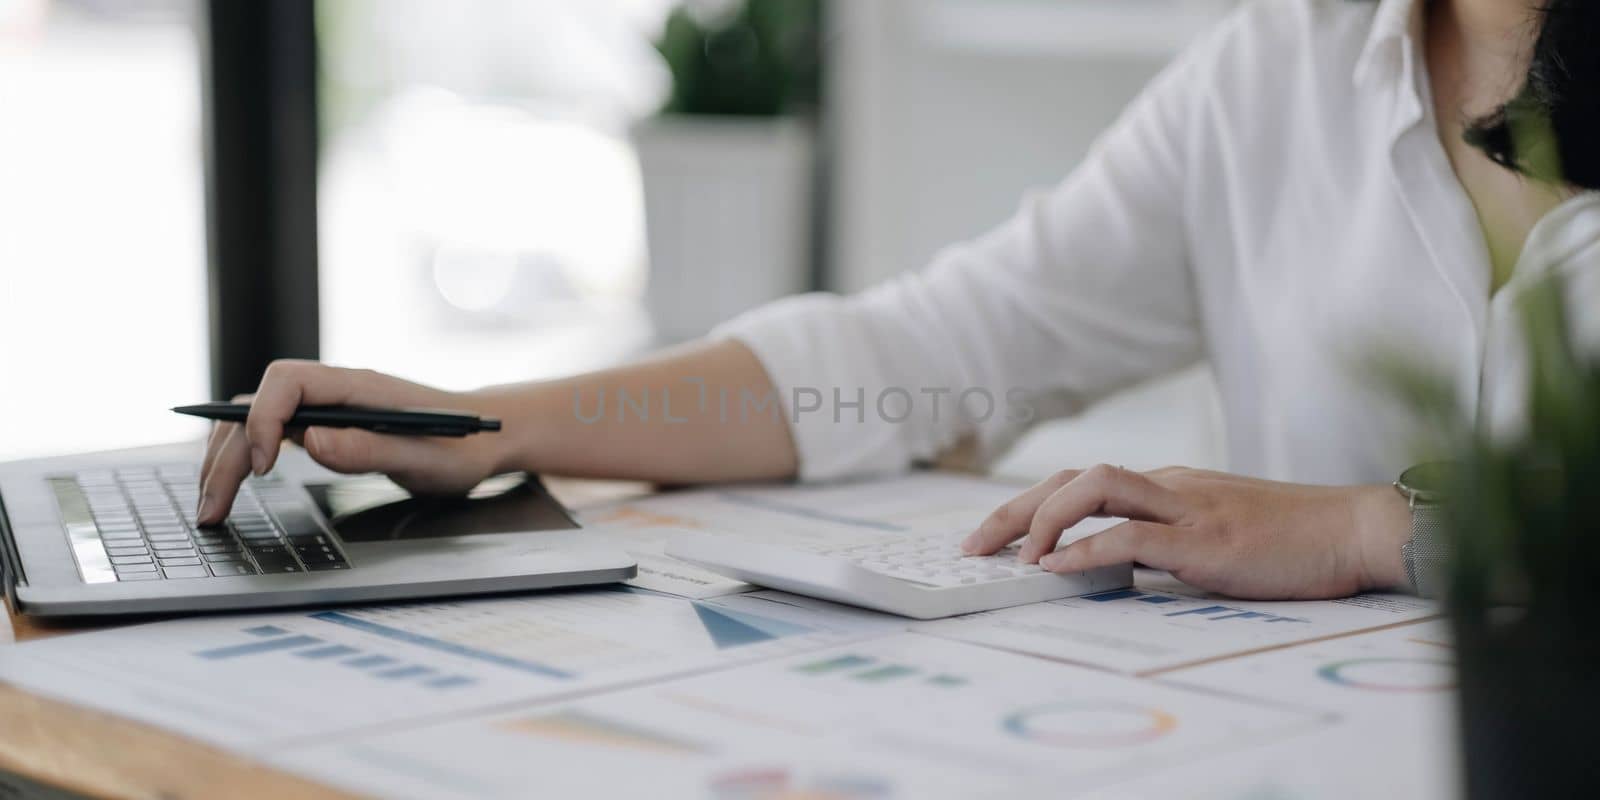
(1243, 537)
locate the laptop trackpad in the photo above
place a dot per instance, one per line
(371, 508)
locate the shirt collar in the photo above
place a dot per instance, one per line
(1394, 22)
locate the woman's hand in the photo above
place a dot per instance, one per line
(1247, 538)
(429, 465)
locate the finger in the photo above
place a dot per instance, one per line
(1150, 543)
(1010, 521)
(221, 483)
(353, 450)
(219, 434)
(288, 384)
(1103, 489)
(280, 393)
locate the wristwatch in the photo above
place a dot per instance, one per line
(1423, 486)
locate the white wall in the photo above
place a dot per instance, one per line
(946, 111)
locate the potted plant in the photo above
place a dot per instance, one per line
(1525, 534)
(1523, 530)
(728, 163)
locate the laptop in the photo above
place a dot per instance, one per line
(114, 533)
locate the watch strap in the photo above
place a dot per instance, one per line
(1425, 552)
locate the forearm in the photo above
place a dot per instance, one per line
(700, 413)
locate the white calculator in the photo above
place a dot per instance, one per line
(920, 576)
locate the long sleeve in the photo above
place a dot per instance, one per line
(1084, 291)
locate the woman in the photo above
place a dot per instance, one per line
(1314, 182)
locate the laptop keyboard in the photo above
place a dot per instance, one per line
(138, 524)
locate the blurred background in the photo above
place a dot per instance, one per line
(487, 191)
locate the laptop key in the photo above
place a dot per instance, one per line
(118, 561)
(182, 561)
(152, 575)
(224, 547)
(317, 556)
(186, 572)
(326, 565)
(131, 568)
(231, 569)
(115, 550)
(216, 558)
(274, 559)
(295, 520)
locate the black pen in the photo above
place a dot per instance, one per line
(398, 421)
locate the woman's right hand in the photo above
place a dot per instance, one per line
(424, 465)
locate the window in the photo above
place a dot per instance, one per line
(102, 243)
(481, 217)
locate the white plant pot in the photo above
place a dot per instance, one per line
(728, 216)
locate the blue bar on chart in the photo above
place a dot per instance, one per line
(331, 651)
(367, 662)
(263, 646)
(412, 671)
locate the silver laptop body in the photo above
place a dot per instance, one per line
(112, 533)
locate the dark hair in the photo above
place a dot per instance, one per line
(1561, 95)
(1551, 129)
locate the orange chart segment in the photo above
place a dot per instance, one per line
(577, 727)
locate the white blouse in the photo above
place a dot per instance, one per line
(1276, 202)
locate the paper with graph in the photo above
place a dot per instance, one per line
(1162, 623)
(255, 682)
(903, 716)
(1389, 696)
(1365, 674)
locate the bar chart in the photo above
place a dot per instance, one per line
(1203, 610)
(867, 669)
(270, 639)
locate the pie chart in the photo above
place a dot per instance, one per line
(1090, 725)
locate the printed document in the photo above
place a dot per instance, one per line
(902, 716)
(1390, 694)
(255, 682)
(1162, 623)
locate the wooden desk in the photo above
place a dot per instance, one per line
(99, 755)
